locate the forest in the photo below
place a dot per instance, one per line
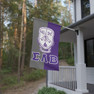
(16, 28)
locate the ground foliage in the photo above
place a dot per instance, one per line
(50, 90)
(9, 80)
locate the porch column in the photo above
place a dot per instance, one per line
(81, 66)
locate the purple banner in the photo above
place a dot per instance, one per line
(52, 57)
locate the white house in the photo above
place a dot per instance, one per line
(78, 79)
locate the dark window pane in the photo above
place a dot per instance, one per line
(85, 7)
(89, 53)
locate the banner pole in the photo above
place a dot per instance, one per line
(46, 78)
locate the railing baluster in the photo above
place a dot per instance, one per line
(65, 77)
(73, 80)
(69, 79)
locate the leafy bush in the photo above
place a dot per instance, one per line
(64, 51)
(34, 75)
(11, 80)
(50, 90)
(70, 61)
(10, 58)
(6, 71)
(8, 80)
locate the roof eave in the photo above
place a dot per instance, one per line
(86, 19)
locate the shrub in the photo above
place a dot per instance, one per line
(8, 80)
(6, 71)
(70, 61)
(11, 80)
(34, 75)
(50, 90)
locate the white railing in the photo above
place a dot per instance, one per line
(65, 77)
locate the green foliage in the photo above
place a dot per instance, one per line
(70, 61)
(8, 80)
(10, 58)
(28, 47)
(46, 90)
(34, 75)
(64, 50)
(46, 10)
(11, 80)
(65, 53)
(10, 51)
(6, 71)
(60, 53)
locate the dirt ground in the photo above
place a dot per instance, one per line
(32, 87)
(62, 63)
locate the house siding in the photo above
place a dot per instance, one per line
(78, 10)
(90, 75)
(73, 13)
(91, 6)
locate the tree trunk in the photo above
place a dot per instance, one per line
(24, 42)
(1, 34)
(15, 36)
(20, 48)
(70, 19)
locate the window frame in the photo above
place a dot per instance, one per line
(85, 51)
(82, 9)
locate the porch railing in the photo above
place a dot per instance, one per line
(65, 77)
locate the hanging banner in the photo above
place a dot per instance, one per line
(44, 54)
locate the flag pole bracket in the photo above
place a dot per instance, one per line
(75, 30)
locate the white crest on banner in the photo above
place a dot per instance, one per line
(46, 39)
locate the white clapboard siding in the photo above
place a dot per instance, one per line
(90, 75)
(92, 6)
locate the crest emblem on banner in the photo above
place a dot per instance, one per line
(46, 39)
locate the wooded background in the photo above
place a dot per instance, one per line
(16, 27)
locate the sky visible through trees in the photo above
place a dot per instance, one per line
(62, 3)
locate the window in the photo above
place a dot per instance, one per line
(89, 53)
(85, 4)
